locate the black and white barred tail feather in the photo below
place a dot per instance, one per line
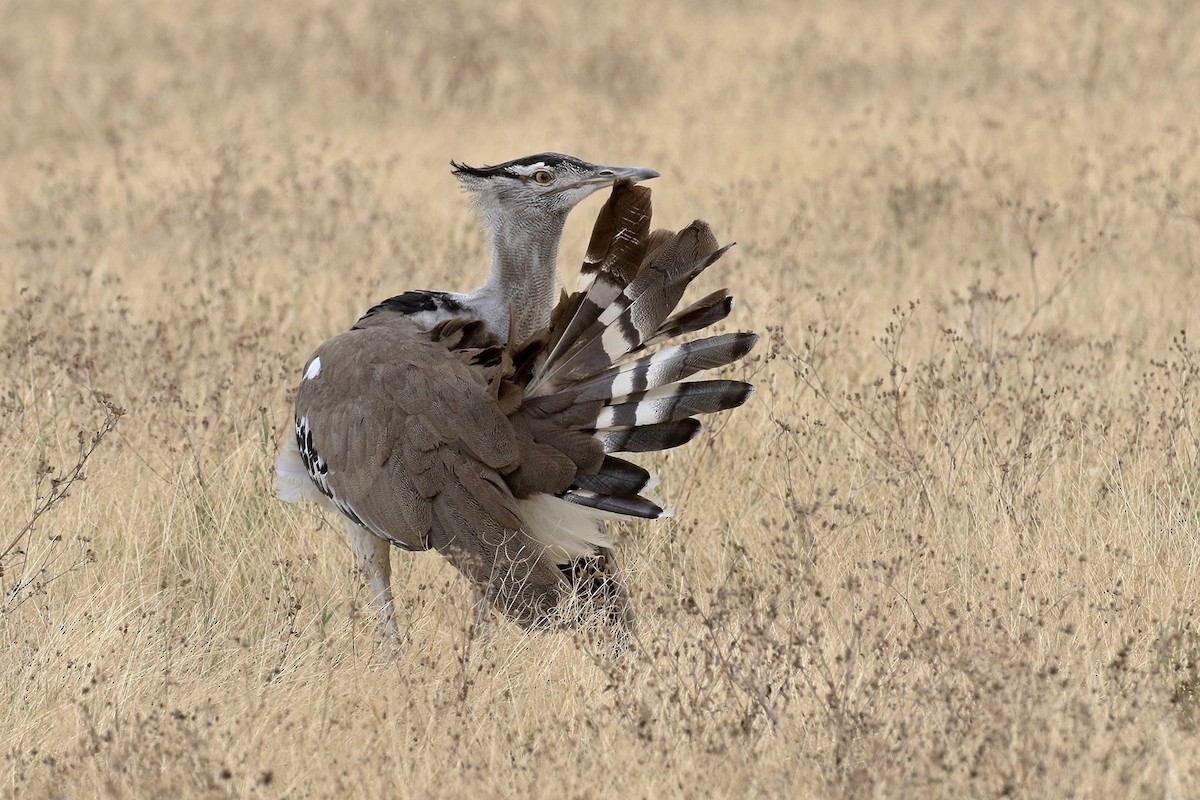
(672, 403)
(633, 505)
(701, 314)
(617, 477)
(635, 404)
(668, 365)
(636, 314)
(619, 239)
(648, 438)
(614, 256)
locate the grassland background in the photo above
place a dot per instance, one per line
(950, 549)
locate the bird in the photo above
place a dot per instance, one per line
(429, 429)
(524, 203)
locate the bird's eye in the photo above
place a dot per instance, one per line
(543, 176)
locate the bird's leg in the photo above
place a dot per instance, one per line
(482, 624)
(372, 560)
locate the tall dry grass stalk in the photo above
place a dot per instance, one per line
(951, 548)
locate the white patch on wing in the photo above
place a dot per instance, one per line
(567, 530)
(314, 369)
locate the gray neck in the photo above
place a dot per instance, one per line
(523, 276)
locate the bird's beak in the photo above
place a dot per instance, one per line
(603, 176)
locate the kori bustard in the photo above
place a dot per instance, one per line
(485, 427)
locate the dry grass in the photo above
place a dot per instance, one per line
(951, 549)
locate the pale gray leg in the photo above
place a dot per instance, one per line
(372, 560)
(482, 625)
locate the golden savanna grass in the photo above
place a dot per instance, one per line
(950, 548)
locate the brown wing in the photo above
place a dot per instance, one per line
(408, 440)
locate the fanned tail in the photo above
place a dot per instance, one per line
(585, 376)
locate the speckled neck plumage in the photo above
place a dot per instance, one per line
(523, 277)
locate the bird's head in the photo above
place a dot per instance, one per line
(546, 184)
